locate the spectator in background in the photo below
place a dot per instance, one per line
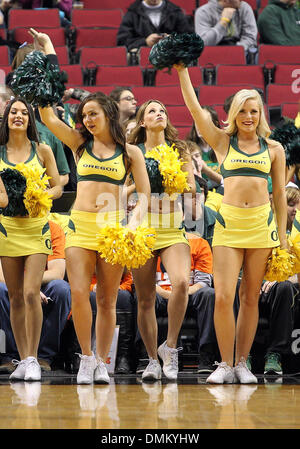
(126, 102)
(148, 21)
(5, 95)
(226, 22)
(278, 23)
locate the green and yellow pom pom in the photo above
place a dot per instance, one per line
(36, 199)
(120, 245)
(174, 179)
(280, 266)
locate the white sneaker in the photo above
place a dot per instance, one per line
(169, 357)
(86, 370)
(224, 374)
(101, 375)
(152, 370)
(33, 369)
(243, 374)
(19, 372)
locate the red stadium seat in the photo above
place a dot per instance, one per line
(280, 54)
(107, 4)
(57, 35)
(171, 96)
(231, 54)
(188, 6)
(289, 110)
(62, 55)
(90, 18)
(183, 131)
(96, 37)
(144, 57)
(47, 18)
(180, 116)
(286, 73)
(240, 74)
(281, 93)
(92, 89)
(212, 95)
(164, 78)
(4, 55)
(112, 56)
(74, 72)
(126, 76)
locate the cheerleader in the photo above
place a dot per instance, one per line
(165, 215)
(25, 242)
(103, 161)
(245, 231)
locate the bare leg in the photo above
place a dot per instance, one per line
(13, 270)
(109, 277)
(175, 256)
(34, 269)
(253, 274)
(81, 264)
(144, 280)
(227, 263)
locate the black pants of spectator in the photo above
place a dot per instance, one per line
(55, 315)
(277, 306)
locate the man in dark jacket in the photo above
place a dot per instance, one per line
(148, 21)
(279, 23)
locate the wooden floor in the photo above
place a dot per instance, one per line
(58, 403)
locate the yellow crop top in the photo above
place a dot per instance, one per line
(33, 161)
(92, 168)
(239, 163)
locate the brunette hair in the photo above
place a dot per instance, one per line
(111, 111)
(32, 132)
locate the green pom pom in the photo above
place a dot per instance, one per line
(289, 137)
(176, 48)
(15, 185)
(39, 81)
(155, 178)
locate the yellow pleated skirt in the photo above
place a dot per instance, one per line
(83, 227)
(169, 228)
(252, 227)
(23, 236)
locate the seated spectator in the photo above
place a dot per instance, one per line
(278, 23)
(148, 21)
(126, 102)
(226, 22)
(56, 302)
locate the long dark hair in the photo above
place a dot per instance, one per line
(32, 132)
(111, 111)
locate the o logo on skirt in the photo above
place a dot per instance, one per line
(274, 236)
(48, 243)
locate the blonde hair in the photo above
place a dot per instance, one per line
(238, 101)
(292, 194)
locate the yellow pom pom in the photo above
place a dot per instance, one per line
(174, 179)
(120, 245)
(280, 266)
(295, 250)
(36, 199)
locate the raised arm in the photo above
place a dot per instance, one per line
(63, 132)
(215, 137)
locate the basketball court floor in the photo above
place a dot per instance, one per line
(128, 404)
